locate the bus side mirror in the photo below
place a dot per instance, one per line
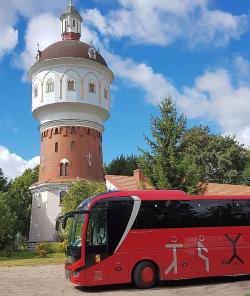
(57, 225)
(64, 221)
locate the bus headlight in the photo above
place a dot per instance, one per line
(76, 273)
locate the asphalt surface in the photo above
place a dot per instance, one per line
(50, 280)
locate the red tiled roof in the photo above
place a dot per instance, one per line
(128, 182)
(226, 189)
(69, 48)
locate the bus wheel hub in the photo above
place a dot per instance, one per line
(147, 275)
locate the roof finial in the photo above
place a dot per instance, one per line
(70, 3)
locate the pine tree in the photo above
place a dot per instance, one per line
(165, 163)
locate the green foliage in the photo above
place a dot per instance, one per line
(52, 248)
(221, 159)
(165, 164)
(3, 182)
(181, 158)
(122, 165)
(20, 200)
(80, 191)
(8, 251)
(246, 172)
(7, 221)
(40, 247)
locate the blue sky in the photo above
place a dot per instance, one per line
(197, 51)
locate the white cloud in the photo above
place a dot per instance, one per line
(156, 85)
(12, 10)
(214, 97)
(244, 136)
(8, 40)
(44, 30)
(164, 22)
(243, 69)
(14, 165)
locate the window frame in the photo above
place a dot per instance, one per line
(71, 82)
(50, 86)
(92, 84)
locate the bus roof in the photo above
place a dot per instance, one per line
(162, 195)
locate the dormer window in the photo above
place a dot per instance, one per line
(106, 93)
(35, 91)
(92, 53)
(50, 86)
(92, 88)
(71, 85)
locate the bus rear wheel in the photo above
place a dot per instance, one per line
(145, 275)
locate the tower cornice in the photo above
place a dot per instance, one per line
(68, 61)
(71, 122)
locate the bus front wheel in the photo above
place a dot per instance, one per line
(145, 275)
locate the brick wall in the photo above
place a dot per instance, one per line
(75, 144)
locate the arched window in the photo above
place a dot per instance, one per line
(73, 146)
(56, 131)
(35, 91)
(106, 93)
(56, 147)
(74, 23)
(61, 169)
(73, 130)
(62, 194)
(71, 85)
(50, 86)
(92, 87)
(66, 169)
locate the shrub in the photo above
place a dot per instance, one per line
(50, 247)
(41, 248)
(8, 251)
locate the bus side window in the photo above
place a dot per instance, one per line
(240, 213)
(225, 212)
(203, 213)
(158, 214)
(97, 228)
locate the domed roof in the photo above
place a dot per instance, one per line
(70, 49)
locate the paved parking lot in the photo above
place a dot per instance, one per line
(49, 280)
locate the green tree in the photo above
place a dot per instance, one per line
(246, 172)
(7, 221)
(80, 191)
(3, 182)
(19, 200)
(221, 159)
(167, 166)
(122, 165)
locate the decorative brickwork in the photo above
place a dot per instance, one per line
(80, 146)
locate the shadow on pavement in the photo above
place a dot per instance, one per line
(167, 284)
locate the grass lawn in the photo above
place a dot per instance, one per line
(31, 259)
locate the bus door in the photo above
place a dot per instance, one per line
(96, 246)
(118, 216)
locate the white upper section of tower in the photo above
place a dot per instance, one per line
(71, 80)
(71, 23)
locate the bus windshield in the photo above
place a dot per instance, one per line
(75, 234)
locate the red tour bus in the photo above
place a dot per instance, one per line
(146, 236)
